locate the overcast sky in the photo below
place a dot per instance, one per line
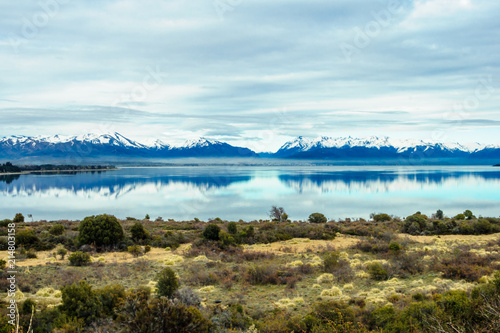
(251, 72)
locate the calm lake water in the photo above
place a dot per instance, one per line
(247, 193)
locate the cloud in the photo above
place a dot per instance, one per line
(258, 72)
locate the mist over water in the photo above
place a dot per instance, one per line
(247, 192)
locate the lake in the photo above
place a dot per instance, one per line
(248, 192)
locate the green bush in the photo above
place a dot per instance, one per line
(168, 283)
(211, 232)
(232, 228)
(101, 231)
(381, 217)
(143, 314)
(26, 238)
(147, 248)
(80, 301)
(111, 297)
(3, 263)
(377, 272)
(57, 230)
(317, 218)
(79, 258)
(395, 247)
(18, 218)
(460, 217)
(135, 250)
(468, 215)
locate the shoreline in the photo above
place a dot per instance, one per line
(53, 171)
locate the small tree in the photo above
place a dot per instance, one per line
(317, 218)
(211, 232)
(439, 214)
(79, 258)
(28, 307)
(468, 215)
(168, 283)
(138, 232)
(101, 230)
(18, 218)
(62, 252)
(276, 214)
(147, 217)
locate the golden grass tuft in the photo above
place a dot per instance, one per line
(325, 278)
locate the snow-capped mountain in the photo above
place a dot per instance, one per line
(112, 145)
(115, 145)
(381, 147)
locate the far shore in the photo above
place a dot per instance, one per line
(53, 171)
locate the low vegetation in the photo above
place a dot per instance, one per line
(417, 274)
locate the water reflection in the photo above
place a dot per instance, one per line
(248, 192)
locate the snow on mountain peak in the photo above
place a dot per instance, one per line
(200, 142)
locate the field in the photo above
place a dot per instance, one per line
(240, 285)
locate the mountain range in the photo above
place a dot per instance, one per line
(116, 145)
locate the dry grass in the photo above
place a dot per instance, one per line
(304, 245)
(452, 238)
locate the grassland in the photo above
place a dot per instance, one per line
(275, 286)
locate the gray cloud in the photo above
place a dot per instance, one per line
(260, 67)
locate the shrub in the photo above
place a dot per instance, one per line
(5, 223)
(147, 248)
(439, 214)
(57, 230)
(31, 254)
(381, 217)
(134, 250)
(415, 224)
(168, 283)
(101, 231)
(79, 258)
(111, 298)
(142, 314)
(211, 232)
(26, 238)
(460, 217)
(232, 228)
(3, 263)
(28, 307)
(138, 232)
(377, 272)
(317, 218)
(188, 297)
(330, 261)
(79, 300)
(395, 247)
(18, 218)
(464, 266)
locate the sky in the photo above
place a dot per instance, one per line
(252, 73)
